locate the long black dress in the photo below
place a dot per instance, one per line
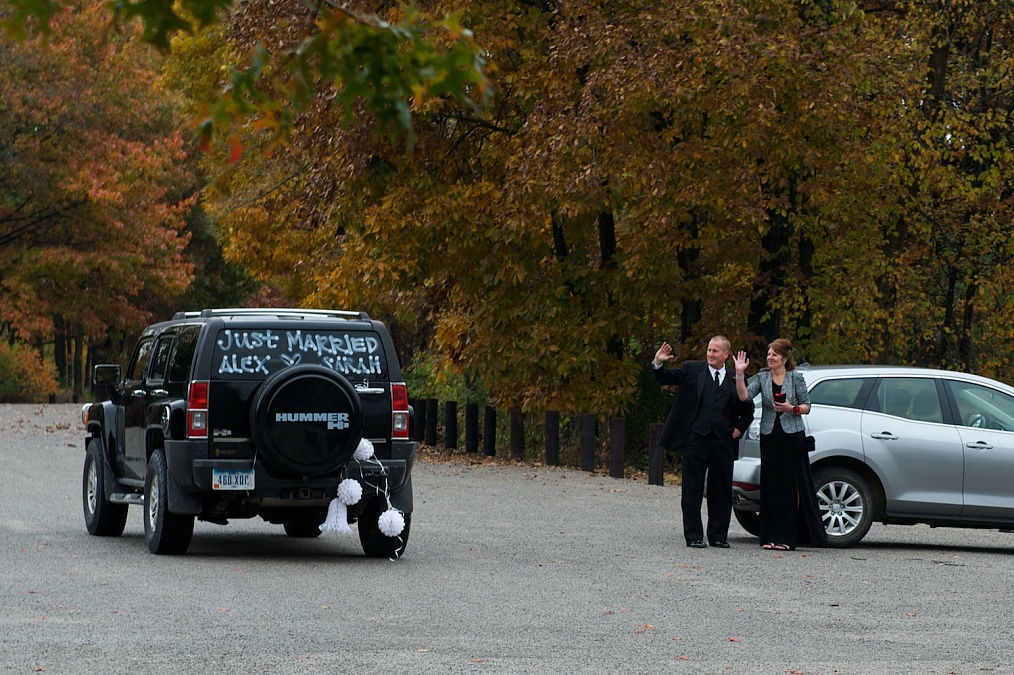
(789, 512)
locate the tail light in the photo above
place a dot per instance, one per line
(197, 410)
(399, 410)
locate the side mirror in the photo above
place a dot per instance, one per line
(106, 375)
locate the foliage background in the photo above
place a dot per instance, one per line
(835, 172)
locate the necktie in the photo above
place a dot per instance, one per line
(716, 379)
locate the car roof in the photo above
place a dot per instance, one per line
(311, 319)
(819, 372)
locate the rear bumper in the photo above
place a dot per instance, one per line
(746, 484)
(745, 500)
(192, 470)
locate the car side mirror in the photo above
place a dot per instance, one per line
(106, 375)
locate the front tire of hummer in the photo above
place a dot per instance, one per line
(375, 543)
(166, 533)
(102, 518)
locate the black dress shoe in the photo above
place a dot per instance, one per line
(720, 543)
(697, 543)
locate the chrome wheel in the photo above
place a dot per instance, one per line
(102, 518)
(92, 488)
(153, 505)
(165, 532)
(841, 507)
(846, 505)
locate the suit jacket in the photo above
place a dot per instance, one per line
(691, 378)
(794, 387)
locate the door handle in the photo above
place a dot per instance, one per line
(363, 390)
(159, 392)
(885, 436)
(979, 445)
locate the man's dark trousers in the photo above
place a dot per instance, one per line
(713, 455)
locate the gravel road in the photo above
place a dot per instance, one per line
(509, 569)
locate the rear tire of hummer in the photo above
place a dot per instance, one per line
(166, 533)
(102, 518)
(304, 524)
(375, 543)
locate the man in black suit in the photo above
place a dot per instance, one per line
(706, 421)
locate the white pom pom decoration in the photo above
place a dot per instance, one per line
(364, 450)
(337, 518)
(391, 522)
(350, 492)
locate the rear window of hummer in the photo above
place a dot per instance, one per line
(253, 354)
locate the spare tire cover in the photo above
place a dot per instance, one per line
(306, 420)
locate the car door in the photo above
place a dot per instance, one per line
(917, 456)
(134, 404)
(986, 426)
(150, 389)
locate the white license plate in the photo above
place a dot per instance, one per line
(232, 479)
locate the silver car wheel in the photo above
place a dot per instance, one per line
(92, 488)
(841, 507)
(153, 496)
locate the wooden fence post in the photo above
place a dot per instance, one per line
(451, 425)
(552, 438)
(587, 442)
(617, 441)
(489, 431)
(431, 421)
(656, 455)
(471, 427)
(517, 434)
(419, 428)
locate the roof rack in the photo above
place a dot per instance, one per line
(292, 312)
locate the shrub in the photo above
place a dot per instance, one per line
(24, 376)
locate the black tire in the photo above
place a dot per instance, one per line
(306, 420)
(166, 533)
(846, 505)
(102, 518)
(375, 543)
(749, 521)
(304, 524)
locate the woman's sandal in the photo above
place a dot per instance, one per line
(782, 547)
(769, 547)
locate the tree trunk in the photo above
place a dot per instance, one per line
(60, 349)
(78, 367)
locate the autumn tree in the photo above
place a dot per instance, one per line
(652, 171)
(94, 186)
(915, 268)
(832, 171)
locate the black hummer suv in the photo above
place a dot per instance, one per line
(236, 413)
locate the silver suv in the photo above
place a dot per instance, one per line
(898, 445)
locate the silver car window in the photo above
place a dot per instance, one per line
(912, 398)
(981, 407)
(841, 392)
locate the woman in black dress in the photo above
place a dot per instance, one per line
(789, 513)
